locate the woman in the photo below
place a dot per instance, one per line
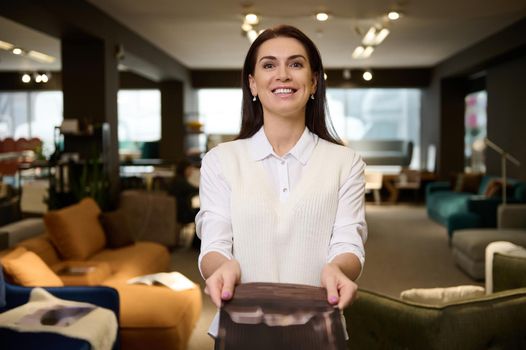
(285, 201)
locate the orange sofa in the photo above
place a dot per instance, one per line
(74, 249)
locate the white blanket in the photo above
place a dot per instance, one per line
(98, 327)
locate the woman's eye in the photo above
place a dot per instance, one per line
(296, 65)
(268, 66)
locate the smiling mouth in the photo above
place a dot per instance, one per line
(284, 91)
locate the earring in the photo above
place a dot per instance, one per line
(312, 96)
(254, 98)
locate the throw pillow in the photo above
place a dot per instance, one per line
(440, 296)
(29, 270)
(494, 189)
(117, 229)
(468, 182)
(76, 230)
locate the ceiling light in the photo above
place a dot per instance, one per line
(6, 46)
(26, 78)
(381, 35)
(322, 16)
(393, 15)
(251, 18)
(369, 37)
(368, 52)
(346, 74)
(362, 52)
(358, 52)
(252, 35)
(42, 57)
(325, 76)
(17, 51)
(375, 36)
(246, 27)
(44, 78)
(38, 78)
(367, 75)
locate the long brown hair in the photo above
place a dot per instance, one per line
(316, 116)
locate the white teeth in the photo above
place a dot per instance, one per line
(283, 91)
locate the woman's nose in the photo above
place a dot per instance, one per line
(283, 73)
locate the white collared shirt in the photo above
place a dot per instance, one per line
(214, 221)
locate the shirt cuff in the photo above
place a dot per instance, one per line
(227, 255)
(355, 251)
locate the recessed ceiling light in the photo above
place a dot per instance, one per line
(17, 51)
(393, 15)
(26, 78)
(367, 75)
(322, 16)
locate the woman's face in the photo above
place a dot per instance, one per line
(282, 79)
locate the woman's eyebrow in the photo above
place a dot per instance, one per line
(293, 57)
(289, 58)
(267, 58)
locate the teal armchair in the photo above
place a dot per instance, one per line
(461, 210)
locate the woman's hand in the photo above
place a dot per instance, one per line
(340, 289)
(220, 285)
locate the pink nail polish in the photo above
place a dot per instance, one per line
(333, 299)
(226, 295)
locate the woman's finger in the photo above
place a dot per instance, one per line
(332, 290)
(229, 282)
(214, 289)
(347, 293)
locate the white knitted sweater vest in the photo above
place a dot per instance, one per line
(286, 241)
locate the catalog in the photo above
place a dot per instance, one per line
(173, 280)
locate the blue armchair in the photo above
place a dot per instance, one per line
(460, 210)
(12, 296)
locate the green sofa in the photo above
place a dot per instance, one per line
(460, 210)
(495, 321)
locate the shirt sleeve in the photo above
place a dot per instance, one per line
(350, 229)
(213, 222)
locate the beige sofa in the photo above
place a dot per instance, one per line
(469, 245)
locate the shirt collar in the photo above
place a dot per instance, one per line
(302, 150)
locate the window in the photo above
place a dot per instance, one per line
(139, 114)
(220, 110)
(31, 114)
(475, 131)
(387, 114)
(355, 113)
